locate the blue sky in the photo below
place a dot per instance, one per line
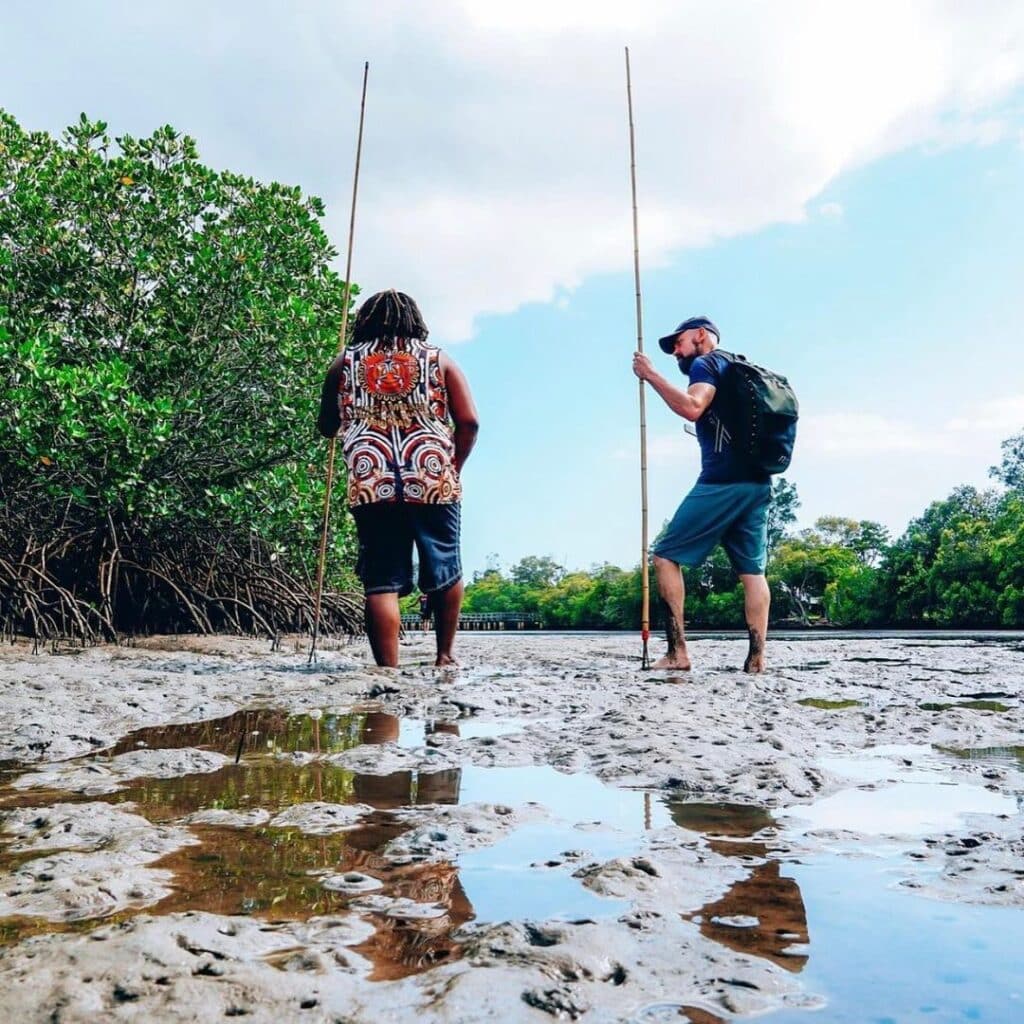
(894, 309)
(839, 185)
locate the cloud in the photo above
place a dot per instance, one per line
(495, 163)
(1002, 416)
(983, 422)
(861, 433)
(831, 211)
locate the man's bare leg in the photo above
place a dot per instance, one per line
(673, 596)
(757, 599)
(383, 621)
(446, 605)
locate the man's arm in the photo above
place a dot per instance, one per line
(329, 419)
(462, 409)
(690, 404)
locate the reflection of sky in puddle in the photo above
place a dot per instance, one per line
(910, 798)
(500, 881)
(884, 955)
(876, 764)
(502, 886)
(413, 732)
(902, 808)
(572, 798)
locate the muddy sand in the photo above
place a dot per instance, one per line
(201, 828)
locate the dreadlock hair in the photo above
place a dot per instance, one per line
(388, 314)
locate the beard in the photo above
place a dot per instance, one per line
(685, 362)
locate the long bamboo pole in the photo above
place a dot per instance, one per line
(645, 581)
(342, 338)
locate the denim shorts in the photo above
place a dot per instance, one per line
(733, 515)
(389, 530)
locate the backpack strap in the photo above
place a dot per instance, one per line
(732, 357)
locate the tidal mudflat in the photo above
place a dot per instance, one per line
(194, 829)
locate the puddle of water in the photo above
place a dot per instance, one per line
(761, 915)
(266, 871)
(275, 874)
(273, 730)
(254, 731)
(885, 955)
(526, 876)
(829, 705)
(913, 797)
(973, 705)
(413, 732)
(1002, 756)
(576, 799)
(734, 820)
(901, 808)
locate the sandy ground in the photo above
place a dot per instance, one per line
(846, 780)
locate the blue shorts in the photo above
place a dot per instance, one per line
(389, 530)
(733, 515)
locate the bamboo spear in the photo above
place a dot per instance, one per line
(342, 338)
(645, 582)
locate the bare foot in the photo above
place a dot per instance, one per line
(445, 661)
(755, 653)
(679, 660)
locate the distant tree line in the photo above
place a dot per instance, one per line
(959, 564)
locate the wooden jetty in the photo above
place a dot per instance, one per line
(483, 620)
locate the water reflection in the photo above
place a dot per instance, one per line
(276, 874)
(258, 730)
(972, 705)
(824, 704)
(763, 914)
(1013, 756)
(408, 788)
(271, 730)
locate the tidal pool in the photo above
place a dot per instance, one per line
(897, 789)
(278, 873)
(881, 955)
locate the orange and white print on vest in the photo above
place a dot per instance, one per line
(396, 431)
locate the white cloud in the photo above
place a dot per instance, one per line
(1000, 416)
(983, 422)
(495, 163)
(862, 433)
(744, 114)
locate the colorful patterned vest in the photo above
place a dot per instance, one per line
(396, 431)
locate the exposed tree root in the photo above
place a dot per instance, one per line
(105, 582)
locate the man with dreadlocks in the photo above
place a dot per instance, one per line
(407, 423)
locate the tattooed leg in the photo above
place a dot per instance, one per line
(756, 602)
(673, 595)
